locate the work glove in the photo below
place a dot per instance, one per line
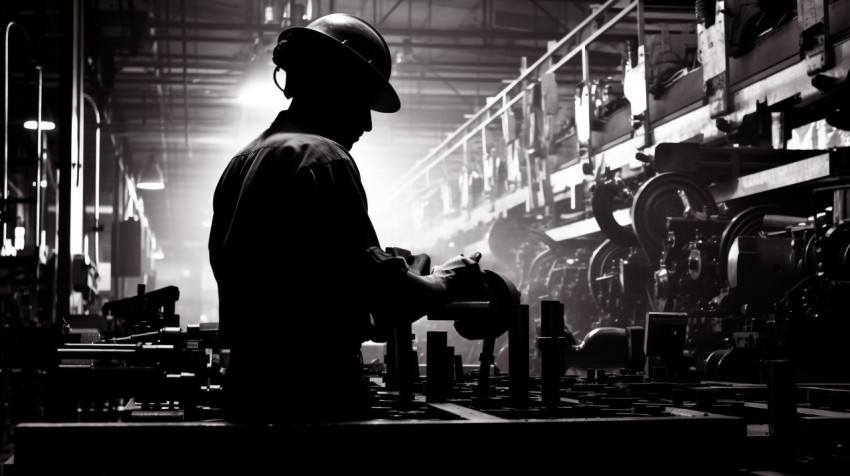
(402, 288)
(466, 281)
(416, 263)
(461, 276)
(395, 289)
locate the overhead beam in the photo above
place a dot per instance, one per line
(387, 15)
(176, 79)
(392, 44)
(228, 64)
(255, 28)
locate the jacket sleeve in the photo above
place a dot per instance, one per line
(401, 289)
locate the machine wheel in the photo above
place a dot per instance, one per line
(670, 194)
(747, 222)
(505, 238)
(602, 203)
(538, 271)
(603, 257)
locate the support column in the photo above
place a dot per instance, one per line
(70, 89)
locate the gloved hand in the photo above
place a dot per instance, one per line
(401, 290)
(466, 281)
(462, 277)
(419, 263)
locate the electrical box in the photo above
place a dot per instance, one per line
(127, 255)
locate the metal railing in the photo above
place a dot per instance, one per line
(566, 48)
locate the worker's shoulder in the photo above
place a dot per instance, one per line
(309, 149)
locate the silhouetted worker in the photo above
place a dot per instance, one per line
(302, 278)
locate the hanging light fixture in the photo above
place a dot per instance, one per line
(151, 177)
(45, 125)
(44, 113)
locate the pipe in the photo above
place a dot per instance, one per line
(779, 222)
(38, 159)
(97, 227)
(6, 123)
(185, 77)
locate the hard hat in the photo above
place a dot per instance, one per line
(351, 37)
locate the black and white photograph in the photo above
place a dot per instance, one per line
(286, 237)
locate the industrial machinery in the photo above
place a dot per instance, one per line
(670, 252)
(54, 271)
(135, 363)
(703, 175)
(610, 408)
(688, 182)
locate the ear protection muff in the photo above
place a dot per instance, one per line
(283, 57)
(278, 55)
(274, 78)
(279, 51)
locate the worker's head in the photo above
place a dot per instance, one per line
(339, 65)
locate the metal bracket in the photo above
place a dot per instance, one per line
(635, 90)
(583, 126)
(715, 62)
(813, 16)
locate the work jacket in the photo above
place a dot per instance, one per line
(289, 228)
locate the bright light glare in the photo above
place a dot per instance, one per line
(158, 254)
(45, 125)
(214, 140)
(8, 249)
(263, 94)
(20, 236)
(150, 185)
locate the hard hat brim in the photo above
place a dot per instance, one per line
(387, 98)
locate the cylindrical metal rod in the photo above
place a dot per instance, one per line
(462, 310)
(552, 343)
(404, 361)
(38, 158)
(437, 380)
(6, 131)
(96, 256)
(552, 368)
(778, 222)
(6, 125)
(552, 319)
(185, 77)
(518, 352)
(781, 400)
(486, 360)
